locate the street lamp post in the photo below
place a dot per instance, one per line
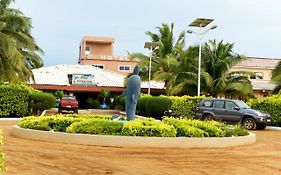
(201, 23)
(150, 46)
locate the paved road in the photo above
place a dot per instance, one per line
(26, 157)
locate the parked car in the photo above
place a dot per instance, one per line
(68, 103)
(232, 111)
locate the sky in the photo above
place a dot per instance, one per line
(253, 26)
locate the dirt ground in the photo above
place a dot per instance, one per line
(27, 157)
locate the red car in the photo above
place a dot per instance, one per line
(68, 103)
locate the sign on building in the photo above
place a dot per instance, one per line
(83, 79)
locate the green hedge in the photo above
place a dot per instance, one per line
(141, 104)
(148, 127)
(271, 105)
(170, 127)
(14, 101)
(40, 101)
(96, 126)
(156, 106)
(1, 154)
(185, 105)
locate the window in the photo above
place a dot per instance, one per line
(124, 68)
(257, 75)
(101, 66)
(208, 103)
(230, 105)
(87, 50)
(218, 104)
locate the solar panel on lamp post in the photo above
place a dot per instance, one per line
(201, 23)
(150, 46)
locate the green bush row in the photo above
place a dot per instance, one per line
(1, 154)
(271, 105)
(196, 128)
(20, 100)
(185, 105)
(170, 127)
(148, 127)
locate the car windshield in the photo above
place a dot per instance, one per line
(242, 105)
(68, 98)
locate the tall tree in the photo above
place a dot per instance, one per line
(276, 77)
(217, 59)
(165, 57)
(19, 52)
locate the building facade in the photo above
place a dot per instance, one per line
(98, 52)
(261, 69)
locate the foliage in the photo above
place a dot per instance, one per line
(59, 94)
(14, 101)
(104, 94)
(276, 77)
(184, 130)
(217, 59)
(40, 101)
(18, 49)
(207, 129)
(156, 106)
(120, 102)
(89, 116)
(148, 127)
(271, 105)
(2, 167)
(96, 126)
(142, 103)
(164, 56)
(185, 105)
(93, 104)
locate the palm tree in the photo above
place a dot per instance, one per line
(164, 58)
(217, 59)
(18, 50)
(185, 81)
(276, 77)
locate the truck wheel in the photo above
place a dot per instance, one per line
(208, 117)
(249, 123)
(76, 111)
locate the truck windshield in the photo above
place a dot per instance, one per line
(242, 105)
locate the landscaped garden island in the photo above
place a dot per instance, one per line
(142, 132)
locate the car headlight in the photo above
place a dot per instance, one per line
(262, 119)
(259, 113)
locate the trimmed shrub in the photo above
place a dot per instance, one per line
(35, 123)
(1, 154)
(57, 123)
(120, 102)
(210, 129)
(96, 126)
(14, 101)
(271, 105)
(234, 131)
(142, 103)
(184, 130)
(89, 116)
(40, 101)
(148, 127)
(185, 105)
(95, 104)
(156, 106)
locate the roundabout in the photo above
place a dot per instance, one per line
(133, 141)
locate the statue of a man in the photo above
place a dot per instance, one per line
(132, 93)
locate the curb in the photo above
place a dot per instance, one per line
(133, 141)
